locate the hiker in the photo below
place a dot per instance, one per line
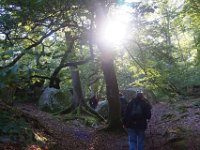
(93, 101)
(135, 120)
(123, 103)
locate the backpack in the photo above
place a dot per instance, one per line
(136, 111)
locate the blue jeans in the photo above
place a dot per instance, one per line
(135, 139)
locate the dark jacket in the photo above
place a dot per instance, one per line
(137, 123)
(123, 103)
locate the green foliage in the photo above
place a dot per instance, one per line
(90, 121)
(165, 58)
(14, 129)
(8, 82)
(16, 77)
(92, 79)
(9, 77)
(162, 51)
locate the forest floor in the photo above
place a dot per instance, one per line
(172, 127)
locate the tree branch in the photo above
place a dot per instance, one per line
(81, 62)
(41, 77)
(34, 45)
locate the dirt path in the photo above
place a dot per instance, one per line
(70, 137)
(158, 135)
(172, 127)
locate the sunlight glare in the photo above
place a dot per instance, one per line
(116, 27)
(114, 32)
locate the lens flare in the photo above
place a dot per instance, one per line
(115, 28)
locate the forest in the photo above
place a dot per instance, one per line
(64, 64)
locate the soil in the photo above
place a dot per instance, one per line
(160, 135)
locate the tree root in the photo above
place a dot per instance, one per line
(82, 110)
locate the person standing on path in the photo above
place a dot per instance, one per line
(135, 120)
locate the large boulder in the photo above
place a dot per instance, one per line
(102, 108)
(53, 100)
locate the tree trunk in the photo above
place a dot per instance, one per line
(54, 80)
(107, 63)
(112, 90)
(77, 90)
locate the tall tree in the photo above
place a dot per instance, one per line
(107, 62)
(28, 25)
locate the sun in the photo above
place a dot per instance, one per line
(114, 32)
(115, 28)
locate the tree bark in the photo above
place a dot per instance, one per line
(107, 63)
(112, 90)
(77, 90)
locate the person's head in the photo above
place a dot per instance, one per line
(139, 94)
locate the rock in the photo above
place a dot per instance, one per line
(53, 100)
(102, 108)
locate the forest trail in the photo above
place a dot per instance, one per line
(170, 128)
(174, 126)
(69, 136)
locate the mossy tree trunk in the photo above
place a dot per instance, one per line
(77, 96)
